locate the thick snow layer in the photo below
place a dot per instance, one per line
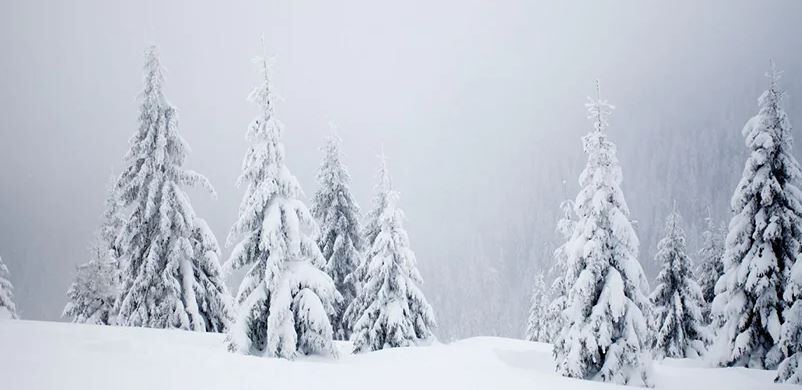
(48, 355)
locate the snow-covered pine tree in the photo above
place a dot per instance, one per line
(285, 298)
(340, 240)
(390, 309)
(7, 308)
(604, 333)
(537, 325)
(94, 290)
(677, 299)
(710, 267)
(370, 229)
(559, 290)
(763, 242)
(171, 272)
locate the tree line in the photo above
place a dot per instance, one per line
(316, 275)
(742, 306)
(311, 276)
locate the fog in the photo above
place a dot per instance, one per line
(479, 106)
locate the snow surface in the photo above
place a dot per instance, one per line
(50, 355)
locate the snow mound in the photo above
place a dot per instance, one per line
(48, 355)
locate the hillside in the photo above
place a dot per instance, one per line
(49, 355)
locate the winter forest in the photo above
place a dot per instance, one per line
(322, 195)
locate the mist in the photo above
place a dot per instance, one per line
(478, 105)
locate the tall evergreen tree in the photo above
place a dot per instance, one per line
(677, 300)
(559, 289)
(603, 336)
(763, 242)
(7, 308)
(537, 326)
(285, 298)
(172, 275)
(340, 240)
(774, 121)
(711, 266)
(390, 309)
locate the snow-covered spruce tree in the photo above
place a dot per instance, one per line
(677, 299)
(370, 230)
(710, 267)
(763, 242)
(7, 308)
(93, 292)
(171, 272)
(340, 240)
(390, 308)
(559, 290)
(536, 325)
(604, 333)
(285, 298)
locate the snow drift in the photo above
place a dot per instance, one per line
(49, 355)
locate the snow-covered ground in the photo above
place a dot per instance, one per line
(49, 355)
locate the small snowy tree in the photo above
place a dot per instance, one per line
(677, 300)
(390, 310)
(537, 326)
(172, 275)
(340, 241)
(94, 290)
(370, 230)
(559, 289)
(7, 308)
(710, 267)
(112, 222)
(604, 333)
(285, 298)
(763, 242)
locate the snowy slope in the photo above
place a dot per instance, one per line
(48, 355)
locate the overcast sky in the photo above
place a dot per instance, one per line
(479, 105)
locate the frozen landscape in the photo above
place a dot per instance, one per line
(42, 355)
(444, 194)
